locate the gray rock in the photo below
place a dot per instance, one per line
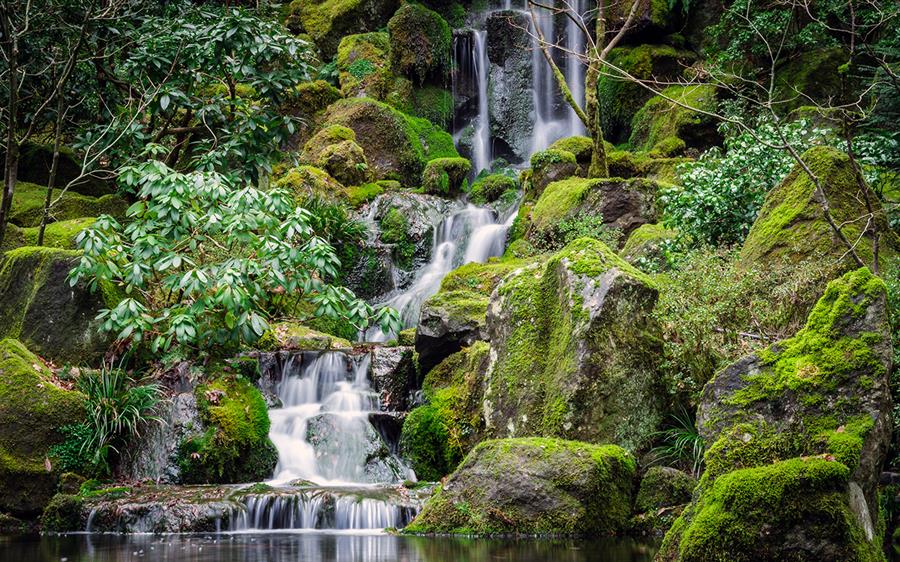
(393, 374)
(349, 447)
(510, 87)
(446, 325)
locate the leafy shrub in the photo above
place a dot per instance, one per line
(721, 193)
(116, 408)
(681, 445)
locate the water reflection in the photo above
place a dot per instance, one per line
(313, 547)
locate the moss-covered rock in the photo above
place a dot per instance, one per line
(533, 486)
(647, 244)
(662, 487)
(394, 230)
(59, 234)
(36, 160)
(577, 352)
(308, 181)
(364, 63)
(651, 19)
(621, 98)
(581, 147)
(622, 204)
(234, 445)
(455, 316)
(548, 166)
(396, 145)
(28, 205)
(324, 137)
(294, 336)
(310, 98)
(420, 44)
(32, 410)
(651, 166)
(791, 228)
(490, 188)
(62, 514)
(667, 128)
(40, 307)
(445, 176)
(437, 435)
(327, 21)
(346, 162)
(810, 76)
(796, 436)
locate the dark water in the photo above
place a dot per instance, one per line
(313, 547)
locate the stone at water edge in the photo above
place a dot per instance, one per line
(533, 486)
(576, 350)
(510, 79)
(394, 376)
(796, 437)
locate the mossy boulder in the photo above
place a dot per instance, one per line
(662, 487)
(346, 162)
(234, 445)
(306, 182)
(620, 98)
(327, 21)
(622, 204)
(290, 335)
(324, 137)
(28, 205)
(59, 234)
(551, 165)
(32, 410)
(63, 514)
(651, 19)
(36, 160)
(40, 307)
(533, 486)
(490, 188)
(667, 128)
(394, 229)
(647, 244)
(810, 76)
(651, 166)
(796, 436)
(581, 147)
(455, 316)
(445, 176)
(420, 44)
(396, 145)
(791, 228)
(577, 351)
(363, 61)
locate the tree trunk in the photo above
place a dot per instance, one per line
(54, 168)
(11, 166)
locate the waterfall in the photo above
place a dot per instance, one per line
(481, 144)
(318, 509)
(322, 431)
(576, 42)
(472, 234)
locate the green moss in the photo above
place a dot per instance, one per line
(395, 230)
(436, 437)
(445, 176)
(663, 126)
(235, 446)
(581, 147)
(585, 488)
(28, 205)
(312, 97)
(308, 181)
(812, 75)
(550, 156)
(558, 200)
(358, 195)
(327, 21)
(620, 98)
(319, 333)
(363, 61)
(62, 514)
(664, 487)
(756, 510)
(492, 187)
(625, 164)
(324, 137)
(432, 103)
(646, 246)
(58, 234)
(420, 43)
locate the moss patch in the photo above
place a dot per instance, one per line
(445, 176)
(667, 128)
(420, 43)
(28, 205)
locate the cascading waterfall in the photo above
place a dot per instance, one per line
(547, 127)
(481, 143)
(324, 437)
(473, 234)
(576, 42)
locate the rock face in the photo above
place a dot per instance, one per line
(32, 409)
(327, 21)
(550, 166)
(533, 486)
(351, 445)
(509, 52)
(39, 306)
(422, 213)
(393, 374)
(576, 350)
(623, 204)
(796, 436)
(396, 145)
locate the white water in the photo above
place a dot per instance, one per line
(470, 235)
(318, 510)
(481, 143)
(576, 42)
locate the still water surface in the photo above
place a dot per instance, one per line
(313, 547)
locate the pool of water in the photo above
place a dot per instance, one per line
(314, 547)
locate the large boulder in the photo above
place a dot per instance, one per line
(396, 145)
(668, 128)
(622, 204)
(33, 408)
(36, 161)
(454, 317)
(394, 376)
(791, 228)
(533, 486)
(510, 93)
(41, 308)
(552, 165)
(420, 44)
(28, 205)
(327, 21)
(577, 350)
(796, 436)
(437, 435)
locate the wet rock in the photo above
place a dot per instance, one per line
(394, 376)
(550, 166)
(796, 438)
(533, 486)
(423, 213)
(350, 445)
(509, 52)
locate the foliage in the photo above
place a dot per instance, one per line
(116, 409)
(202, 260)
(892, 281)
(721, 193)
(681, 443)
(713, 310)
(571, 228)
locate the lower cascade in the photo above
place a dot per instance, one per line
(335, 468)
